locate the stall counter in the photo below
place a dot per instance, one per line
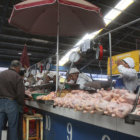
(75, 125)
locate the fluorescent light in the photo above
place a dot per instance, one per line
(117, 10)
(39, 40)
(29, 54)
(108, 18)
(65, 58)
(107, 21)
(112, 15)
(83, 38)
(123, 4)
(20, 53)
(92, 35)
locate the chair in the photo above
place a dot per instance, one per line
(39, 126)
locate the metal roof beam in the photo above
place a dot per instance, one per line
(109, 7)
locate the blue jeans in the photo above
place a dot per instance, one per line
(9, 109)
(20, 125)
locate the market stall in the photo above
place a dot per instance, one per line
(64, 123)
(73, 116)
(80, 114)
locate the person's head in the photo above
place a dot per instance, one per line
(22, 72)
(15, 65)
(128, 62)
(73, 74)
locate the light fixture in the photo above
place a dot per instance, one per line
(108, 18)
(117, 10)
(65, 58)
(20, 53)
(39, 40)
(123, 4)
(111, 16)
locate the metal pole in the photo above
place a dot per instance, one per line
(123, 26)
(57, 53)
(110, 52)
(87, 65)
(67, 74)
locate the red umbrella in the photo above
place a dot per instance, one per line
(76, 17)
(46, 17)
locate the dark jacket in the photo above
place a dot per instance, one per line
(11, 86)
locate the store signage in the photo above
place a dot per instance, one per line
(106, 137)
(62, 128)
(61, 68)
(48, 123)
(134, 54)
(69, 131)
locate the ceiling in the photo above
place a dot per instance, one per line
(12, 40)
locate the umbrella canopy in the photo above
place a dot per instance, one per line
(56, 17)
(76, 17)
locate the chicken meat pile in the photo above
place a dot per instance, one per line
(50, 96)
(116, 103)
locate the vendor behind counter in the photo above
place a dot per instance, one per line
(128, 78)
(75, 77)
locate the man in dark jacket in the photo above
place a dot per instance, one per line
(11, 96)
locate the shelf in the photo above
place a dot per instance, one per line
(49, 102)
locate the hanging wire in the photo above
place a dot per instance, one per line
(100, 68)
(90, 73)
(67, 74)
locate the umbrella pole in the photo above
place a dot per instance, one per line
(110, 52)
(57, 53)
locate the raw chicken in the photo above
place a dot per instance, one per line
(127, 98)
(110, 110)
(123, 109)
(50, 96)
(116, 103)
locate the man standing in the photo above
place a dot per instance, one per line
(11, 96)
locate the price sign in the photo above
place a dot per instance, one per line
(69, 131)
(105, 137)
(48, 123)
